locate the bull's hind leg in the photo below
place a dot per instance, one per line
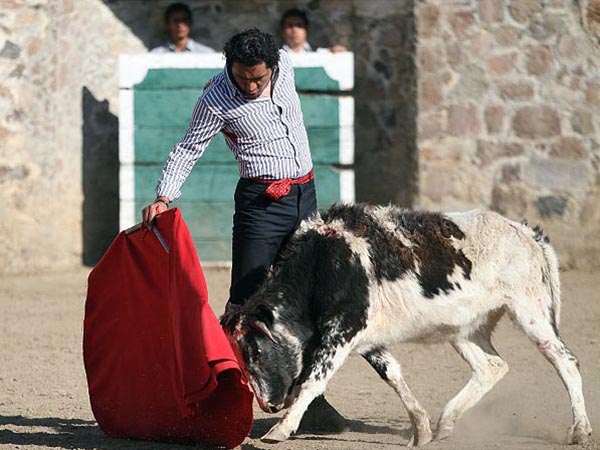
(538, 324)
(488, 368)
(389, 369)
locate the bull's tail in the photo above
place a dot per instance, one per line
(550, 276)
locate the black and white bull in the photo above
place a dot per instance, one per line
(362, 277)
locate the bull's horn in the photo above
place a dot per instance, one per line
(260, 326)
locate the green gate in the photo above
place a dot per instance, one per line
(157, 97)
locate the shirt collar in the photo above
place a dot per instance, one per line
(188, 46)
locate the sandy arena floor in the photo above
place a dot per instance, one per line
(44, 402)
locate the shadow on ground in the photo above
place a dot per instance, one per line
(69, 434)
(261, 426)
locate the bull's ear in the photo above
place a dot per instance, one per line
(231, 322)
(261, 327)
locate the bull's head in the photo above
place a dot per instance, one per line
(272, 352)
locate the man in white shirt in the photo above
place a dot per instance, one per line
(294, 31)
(178, 20)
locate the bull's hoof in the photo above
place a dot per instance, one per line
(419, 438)
(443, 433)
(420, 442)
(275, 435)
(579, 434)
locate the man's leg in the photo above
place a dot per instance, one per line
(251, 259)
(260, 228)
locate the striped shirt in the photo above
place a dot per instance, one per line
(266, 135)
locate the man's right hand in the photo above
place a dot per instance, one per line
(152, 210)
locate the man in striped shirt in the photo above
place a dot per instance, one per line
(254, 103)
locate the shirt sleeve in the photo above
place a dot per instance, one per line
(285, 63)
(205, 124)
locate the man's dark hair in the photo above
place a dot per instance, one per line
(252, 47)
(175, 8)
(294, 12)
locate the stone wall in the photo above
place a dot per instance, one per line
(51, 53)
(459, 104)
(509, 96)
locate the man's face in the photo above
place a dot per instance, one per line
(294, 31)
(253, 80)
(178, 26)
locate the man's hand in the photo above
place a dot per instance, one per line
(149, 212)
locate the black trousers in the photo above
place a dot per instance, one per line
(261, 227)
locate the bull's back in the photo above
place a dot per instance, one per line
(503, 258)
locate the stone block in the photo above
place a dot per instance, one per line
(430, 93)
(461, 22)
(491, 10)
(510, 173)
(430, 57)
(509, 200)
(569, 47)
(522, 10)
(436, 182)
(463, 120)
(494, 118)
(592, 94)
(471, 84)
(10, 50)
(454, 54)
(538, 59)
(482, 43)
(551, 206)
(568, 148)
(488, 152)
(448, 150)
(582, 122)
(431, 126)
(522, 90)
(10, 173)
(544, 26)
(428, 20)
(559, 175)
(508, 36)
(532, 122)
(502, 64)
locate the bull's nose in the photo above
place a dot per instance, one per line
(273, 408)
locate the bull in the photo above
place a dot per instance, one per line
(360, 277)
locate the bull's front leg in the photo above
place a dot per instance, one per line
(324, 365)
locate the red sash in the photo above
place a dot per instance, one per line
(281, 188)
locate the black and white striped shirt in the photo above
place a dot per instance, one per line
(266, 135)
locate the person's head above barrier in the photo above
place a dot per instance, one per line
(294, 26)
(294, 29)
(178, 20)
(251, 57)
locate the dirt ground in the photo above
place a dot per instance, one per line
(44, 402)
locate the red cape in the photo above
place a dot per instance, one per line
(157, 361)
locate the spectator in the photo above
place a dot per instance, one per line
(178, 21)
(294, 31)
